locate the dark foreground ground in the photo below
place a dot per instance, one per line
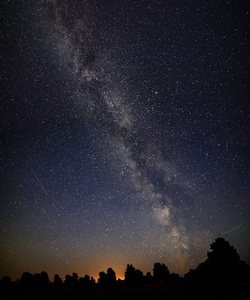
(174, 293)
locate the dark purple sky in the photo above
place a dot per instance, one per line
(125, 134)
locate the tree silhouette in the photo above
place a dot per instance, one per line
(27, 279)
(222, 267)
(71, 281)
(57, 281)
(161, 271)
(6, 282)
(107, 279)
(148, 276)
(41, 279)
(222, 251)
(92, 282)
(102, 279)
(175, 279)
(86, 282)
(111, 277)
(133, 277)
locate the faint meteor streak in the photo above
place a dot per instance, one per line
(233, 229)
(39, 182)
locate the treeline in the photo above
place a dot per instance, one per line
(133, 278)
(222, 267)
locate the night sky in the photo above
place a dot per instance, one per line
(125, 128)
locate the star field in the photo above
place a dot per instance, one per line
(125, 134)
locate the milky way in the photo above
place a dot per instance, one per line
(99, 95)
(128, 139)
